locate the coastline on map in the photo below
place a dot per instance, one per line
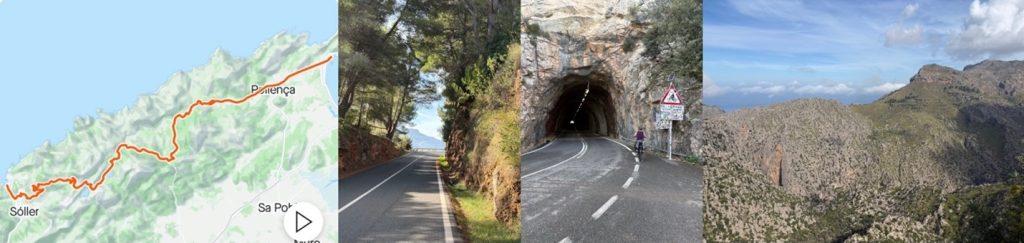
(95, 54)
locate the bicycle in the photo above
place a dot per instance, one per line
(639, 148)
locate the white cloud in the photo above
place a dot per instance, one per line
(898, 35)
(789, 10)
(883, 88)
(823, 89)
(806, 89)
(909, 10)
(711, 89)
(993, 29)
(766, 89)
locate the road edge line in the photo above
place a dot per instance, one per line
(448, 236)
(582, 150)
(620, 144)
(538, 149)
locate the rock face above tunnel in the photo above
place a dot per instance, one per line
(567, 43)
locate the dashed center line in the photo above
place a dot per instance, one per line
(608, 204)
(628, 181)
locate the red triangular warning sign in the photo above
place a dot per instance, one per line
(671, 97)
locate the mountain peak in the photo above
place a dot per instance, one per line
(420, 140)
(934, 73)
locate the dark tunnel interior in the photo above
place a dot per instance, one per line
(595, 117)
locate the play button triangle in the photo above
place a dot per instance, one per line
(304, 218)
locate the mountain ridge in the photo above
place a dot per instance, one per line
(420, 140)
(888, 170)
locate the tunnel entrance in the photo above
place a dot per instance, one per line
(596, 115)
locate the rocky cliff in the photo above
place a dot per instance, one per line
(359, 150)
(590, 48)
(913, 165)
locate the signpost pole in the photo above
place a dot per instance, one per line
(672, 109)
(670, 139)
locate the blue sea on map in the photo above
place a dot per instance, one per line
(54, 70)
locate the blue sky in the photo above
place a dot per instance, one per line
(759, 52)
(427, 120)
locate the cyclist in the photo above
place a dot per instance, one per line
(640, 140)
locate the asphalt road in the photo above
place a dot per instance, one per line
(399, 201)
(591, 189)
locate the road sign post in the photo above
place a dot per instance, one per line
(672, 109)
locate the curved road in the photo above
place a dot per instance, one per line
(592, 189)
(399, 201)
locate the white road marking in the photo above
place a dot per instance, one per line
(378, 185)
(628, 181)
(637, 160)
(565, 240)
(444, 207)
(538, 149)
(636, 168)
(580, 153)
(604, 207)
(623, 145)
(585, 147)
(528, 217)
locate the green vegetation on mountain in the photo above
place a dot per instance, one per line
(939, 159)
(675, 40)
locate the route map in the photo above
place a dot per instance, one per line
(39, 188)
(150, 124)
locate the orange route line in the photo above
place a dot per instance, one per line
(39, 188)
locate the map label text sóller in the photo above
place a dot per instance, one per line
(24, 211)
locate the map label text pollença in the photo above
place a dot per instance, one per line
(285, 90)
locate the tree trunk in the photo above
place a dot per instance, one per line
(398, 116)
(346, 97)
(491, 19)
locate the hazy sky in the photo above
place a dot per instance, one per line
(427, 120)
(759, 52)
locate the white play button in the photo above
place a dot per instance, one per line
(306, 219)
